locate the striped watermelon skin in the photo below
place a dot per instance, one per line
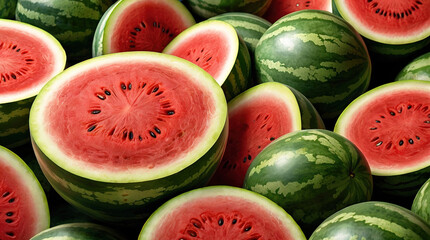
(373, 220)
(418, 69)
(209, 8)
(311, 174)
(84, 230)
(7, 8)
(72, 22)
(250, 27)
(14, 130)
(318, 54)
(421, 203)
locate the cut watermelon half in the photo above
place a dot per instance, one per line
(142, 25)
(23, 204)
(220, 212)
(216, 47)
(257, 117)
(387, 21)
(29, 58)
(130, 129)
(280, 8)
(390, 125)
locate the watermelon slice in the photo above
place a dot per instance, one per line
(389, 124)
(23, 204)
(216, 47)
(140, 25)
(256, 118)
(280, 8)
(220, 212)
(393, 27)
(29, 58)
(131, 130)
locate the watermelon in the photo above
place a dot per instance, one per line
(391, 28)
(220, 212)
(29, 58)
(72, 22)
(257, 117)
(210, 8)
(23, 204)
(420, 204)
(125, 137)
(318, 54)
(417, 69)
(81, 230)
(7, 8)
(140, 25)
(280, 8)
(311, 174)
(389, 125)
(216, 47)
(373, 220)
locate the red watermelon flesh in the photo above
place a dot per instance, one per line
(279, 8)
(146, 25)
(256, 118)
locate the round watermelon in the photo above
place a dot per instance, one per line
(417, 69)
(421, 203)
(30, 57)
(209, 8)
(311, 174)
(131, 130)
(220, 212)
(81, 230)
(318, 54)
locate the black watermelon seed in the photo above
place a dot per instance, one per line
(107, 92)
(143, 24)
(10, 234)
(226, 164)
(140, 138)
(129, 86)
(272, 138)
(8, 220)
(411, 141)
(13, 76)
(130, 135)
(379, 144)
(11, 200)
(234, 221)
(91, 128)
(133, 33)
(123, 87)
(244, 159)
(247, 229)
(392, 113)
(157, 130)
(9, 214)
(417, 137)
(377, 121)
(154, 24)
(220, 222)
(19, 49)
(409, 106)
(155, 89)
(373, 128)
(101, 97)
(5, 194)
(192, 233)
(401, 142)
(137, 29)
(249, 157)
(170, 112)
(196, 225)
(95, 111)
(152, 134)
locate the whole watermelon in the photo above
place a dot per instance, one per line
(311, 174)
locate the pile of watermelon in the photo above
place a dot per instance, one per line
(202, 119)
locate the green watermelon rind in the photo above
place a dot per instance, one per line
(121, 7)
(78, 230)
(163, 211)
(417, 69)
(340, 8)
(207, 9)
(50, 148)
(421, 202)
(32, 184)
(97, 47)
(234, 77)
(373, 220)
(350, 112)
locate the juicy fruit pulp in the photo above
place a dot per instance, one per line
(144, 25)
(24, 210)
(220, 212)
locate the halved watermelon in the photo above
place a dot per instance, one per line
(256, 118)
(280, 8)
(220, 212)
(24, 209)
(395, 27)
(140, 25)
(29, 58)
(119, 133)
(216, 47)
(390, 125)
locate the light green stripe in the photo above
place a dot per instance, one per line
(46, 19)
(73, 36)
(18, 113)
(11, 131)
(247, 25)
(277, 32)
(312, 16)
(417, 64)
(420, 200)
(68, 9)
(332, 44)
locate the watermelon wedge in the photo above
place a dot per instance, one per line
(29, 58)
(132, 129)
(220, 212)
(23, 204)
